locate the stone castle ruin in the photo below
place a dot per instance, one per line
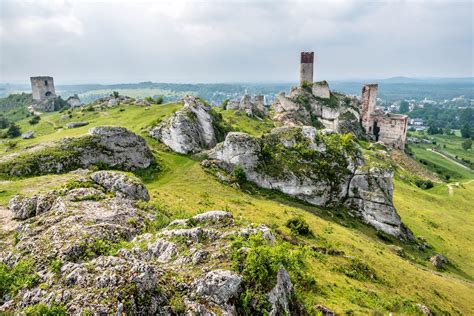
(45, 97)
(42, 88)
(306, 67)
(389, 128)
(385, 127)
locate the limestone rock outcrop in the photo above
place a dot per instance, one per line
(280, 296)
(251, 107)
(319, 107)
(74, 101)
(189, 130)
(168, 272)
(28, 135)
(122, 184)
(76, 124)
(219, 286)
(113, 147)
(322, 168)
(439, 261)
(22, 207)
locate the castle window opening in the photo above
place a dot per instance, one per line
(46, 82)
(48, 93)
(376, 131)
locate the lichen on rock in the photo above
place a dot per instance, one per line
(189, 130)
(112, 147)
(317, 106)
(319, 167)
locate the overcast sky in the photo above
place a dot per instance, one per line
(232, 41)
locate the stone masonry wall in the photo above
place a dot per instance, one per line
(369, 101)
(306, 67)
(393, 129)
(42, 88)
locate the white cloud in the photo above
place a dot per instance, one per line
(234, 40)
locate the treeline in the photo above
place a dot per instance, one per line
(444, 118)
(14, 101)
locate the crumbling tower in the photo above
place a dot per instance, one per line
(259, 101)
(369, 101)
(42, 88)
(306, 67)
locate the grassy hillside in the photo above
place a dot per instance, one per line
(181, 188)
(450, 147)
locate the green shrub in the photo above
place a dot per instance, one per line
(13, 131)
(298, 226)
(157, 100)
(356, 269)
(18, 277)
(3, 122)
(239, 175)
(221, 128)
(34, 120)
(42, 309)
(55, 266)
(424, 184)
(10, 144)
(259, 264)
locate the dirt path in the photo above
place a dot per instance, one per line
(456, 185)
(7, 223)
(448, 158)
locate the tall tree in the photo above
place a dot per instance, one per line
(466, 131)
(404, 107)
(467, 144)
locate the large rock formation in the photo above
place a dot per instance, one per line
(315, 105)
(189, 130)
(49, 104)
(89, 254)
(321, 168)
(122, 184)
(251, 107)
(113, 147)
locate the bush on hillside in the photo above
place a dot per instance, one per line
(3, 122)
(424, 184)
(34, 120)
(13, 131)
(298, 226)
(239, 175)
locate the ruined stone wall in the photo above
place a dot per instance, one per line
(369, 101)
(393, 129)
(306, 67)
(42, 88)
(321, 89)
(259, 101)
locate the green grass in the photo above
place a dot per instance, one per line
(444, 219)
(441, 165)
(182, 188)
(52, 126)
(451, 144)
(134, 93)
(242, 123)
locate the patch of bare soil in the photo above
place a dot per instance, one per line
(7, 223)
(408, 163)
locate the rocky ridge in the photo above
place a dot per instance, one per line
(113, 147)
(320, 167)
(189, 130)
(252, 107)
(91, 253)
(316, 106)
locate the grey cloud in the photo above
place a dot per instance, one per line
(217, 41)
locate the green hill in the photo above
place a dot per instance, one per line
(352, 269)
